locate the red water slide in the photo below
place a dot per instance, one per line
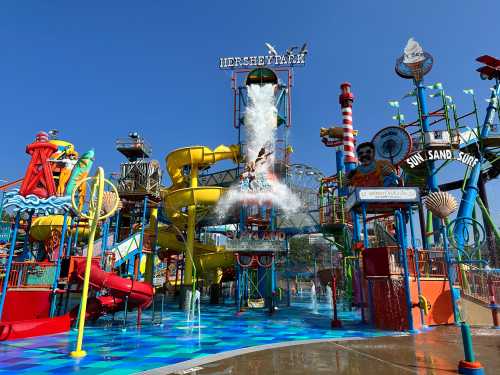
(139, 294)
(34, 306)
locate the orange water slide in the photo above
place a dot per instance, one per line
(8, 185)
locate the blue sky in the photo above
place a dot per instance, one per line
(97, 69)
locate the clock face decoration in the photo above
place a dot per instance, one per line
(392, 144)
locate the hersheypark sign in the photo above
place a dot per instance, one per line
(293, 56)
(420, 157)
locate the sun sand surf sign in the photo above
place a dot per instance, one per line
(420, 157)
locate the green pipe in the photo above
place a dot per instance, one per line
(467, 343)
(465, 283)
(476, 231)
(488, 218)
(429, 228)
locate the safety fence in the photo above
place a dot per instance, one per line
(387, 261)
(29, 274)
(481, 283)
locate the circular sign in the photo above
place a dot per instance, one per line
(392, 144)
(416, 70)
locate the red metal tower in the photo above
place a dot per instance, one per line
(38, 179)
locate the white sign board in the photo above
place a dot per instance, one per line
(159, 281)
(399, 194)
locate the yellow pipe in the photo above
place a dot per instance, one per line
(99, 186)
(191, 228)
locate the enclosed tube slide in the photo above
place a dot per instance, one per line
(140, 295)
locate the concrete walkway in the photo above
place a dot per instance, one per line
(435, 352)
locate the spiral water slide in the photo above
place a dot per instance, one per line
(185, 193)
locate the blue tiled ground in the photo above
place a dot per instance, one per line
(113, 351)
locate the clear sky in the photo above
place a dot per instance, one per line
(97, 69)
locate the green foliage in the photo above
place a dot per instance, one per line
(301, 251)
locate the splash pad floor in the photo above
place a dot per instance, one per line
(112, 350)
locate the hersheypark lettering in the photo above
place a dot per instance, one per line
(422, 156)
(239, 62)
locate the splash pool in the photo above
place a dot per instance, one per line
(113, 350)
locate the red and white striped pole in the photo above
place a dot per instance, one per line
(346, 98)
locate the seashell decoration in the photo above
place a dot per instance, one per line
(441, 203)
(109, 200)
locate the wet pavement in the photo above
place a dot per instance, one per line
(434, 352)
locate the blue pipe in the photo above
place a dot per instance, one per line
(143, 227)
(154, 249)
(9, 263)
(26, 254)
(117, 222)
(70, 237)
(451, 273)
(339, 161)
(242, 219)
(237, 286)
(401, 226)
(77, 232)
(432, 181)
(471, 190)
(104, 243)
(366, 244)
(1, 205)
(58, 265)
(415, 261)
(273, 218)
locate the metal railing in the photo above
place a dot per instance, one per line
(131, 143)
(332, 211)
(481, 284)
(29, 274)
(431, 263)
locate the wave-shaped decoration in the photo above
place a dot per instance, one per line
(40, 206)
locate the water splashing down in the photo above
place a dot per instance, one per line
(258, 184)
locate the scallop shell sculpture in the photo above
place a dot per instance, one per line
(109, 200)
(441, 203)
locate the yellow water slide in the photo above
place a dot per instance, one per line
(43, 226)
(185, 193)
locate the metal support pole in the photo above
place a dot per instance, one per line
(9, 263)
(70, 236)
(336, 323)
(493, 303)
(77, 232)
(432, 181)
(139, 316)
(237, 286)
(287, 272)
(416, 257)
(471, 189)
(141, 242)
(26, 255)
(421, 219)
(104, 243)
(125, 314)
(451, 274)
(58, 265)
(401, 230)
(117, 227)
(490, 237)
